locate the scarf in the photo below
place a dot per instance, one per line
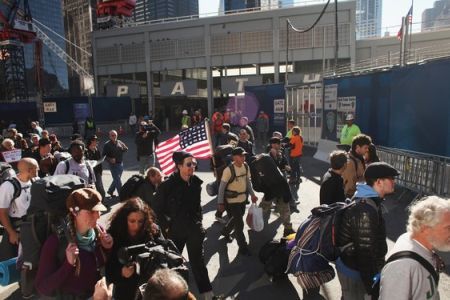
(87, 242)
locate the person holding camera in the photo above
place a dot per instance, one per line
(179, 211)
(74, 274)
(146, 141)
(132, 224)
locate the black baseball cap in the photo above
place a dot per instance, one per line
(238, 151)
(275, 140)
(380, 170)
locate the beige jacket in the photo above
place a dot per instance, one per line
(352, 175)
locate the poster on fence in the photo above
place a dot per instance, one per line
(12, 156)
(345, 106)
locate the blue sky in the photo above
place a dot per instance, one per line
(393, 10)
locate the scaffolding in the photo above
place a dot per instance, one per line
(12, 72)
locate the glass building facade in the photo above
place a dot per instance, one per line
(147, 10)
(54, 69)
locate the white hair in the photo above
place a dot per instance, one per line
(427, 212)
(7, 141)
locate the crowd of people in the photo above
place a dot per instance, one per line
(163, 210)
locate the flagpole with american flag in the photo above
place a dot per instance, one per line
(195, 140)
(208, 132)
(403, 33)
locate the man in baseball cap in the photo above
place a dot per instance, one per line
(363, 227)
(349, 131)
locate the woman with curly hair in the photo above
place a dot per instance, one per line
(132, 224)
(74, 275)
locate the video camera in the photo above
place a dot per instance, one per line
(152, 256)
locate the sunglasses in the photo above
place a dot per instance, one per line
(191, 164)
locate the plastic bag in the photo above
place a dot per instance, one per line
(255, 218)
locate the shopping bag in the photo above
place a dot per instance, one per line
(255, 218)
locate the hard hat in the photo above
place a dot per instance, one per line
(349, 117)
(184, 112)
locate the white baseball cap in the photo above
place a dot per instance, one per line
(184, 112)
(349, 117)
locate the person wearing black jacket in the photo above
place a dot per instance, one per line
(363, 233)
(146, 141)
(245, 144)
(132, 224)
(114, 150)
(332, 188)
(93, 153)
(179, 213)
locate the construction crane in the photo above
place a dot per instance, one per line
(16, 30)
(113, 13)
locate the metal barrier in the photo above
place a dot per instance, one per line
(423, 173)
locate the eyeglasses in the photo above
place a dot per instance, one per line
(191, 164)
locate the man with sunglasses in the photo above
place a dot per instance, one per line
(178, 208)
(362, 233)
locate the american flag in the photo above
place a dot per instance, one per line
(409, 21)
(194, 140)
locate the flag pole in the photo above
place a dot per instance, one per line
(208, 134)
(402, 43)
(410, 24)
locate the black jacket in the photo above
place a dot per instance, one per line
(177, 203)
(364, 226)
(332, 188)
(146, 144)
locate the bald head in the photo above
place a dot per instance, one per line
(166, 284)
(28, 168)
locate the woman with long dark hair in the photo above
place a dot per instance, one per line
(132, 224)
(74, 275)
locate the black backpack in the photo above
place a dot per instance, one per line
(274, 255)
(130, 187)
(46, 213)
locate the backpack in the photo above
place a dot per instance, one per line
(234, 194)
(274, 255)
(315, 244)
(45, 215)
(130, 187)
(7, 173)
(400, 255)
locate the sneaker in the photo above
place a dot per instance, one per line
(226, 236)
(221, 220)
(244, 251)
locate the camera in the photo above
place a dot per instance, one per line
(152, 256)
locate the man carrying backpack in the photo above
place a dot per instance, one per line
(363, 233)
(233, 190)
(412, 269)
(14, 201)
(76, 165)
(354, 172)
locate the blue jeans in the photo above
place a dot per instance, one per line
(116, 173)
(145, 162)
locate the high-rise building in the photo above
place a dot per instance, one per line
(79, 17)
(368, 18)
(147, 10)
(54, 70)
(437, 16)
(274, 4)
(230, 5)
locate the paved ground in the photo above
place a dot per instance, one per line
(243, 277)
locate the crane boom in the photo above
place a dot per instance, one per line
(61, 53)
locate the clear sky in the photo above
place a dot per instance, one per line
(393, 10)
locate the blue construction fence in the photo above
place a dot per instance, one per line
(104, 109)
(406, 108)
